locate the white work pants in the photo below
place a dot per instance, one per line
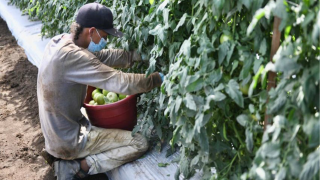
(107, 149)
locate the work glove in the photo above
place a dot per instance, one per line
(162, 76)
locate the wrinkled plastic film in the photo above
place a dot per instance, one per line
(26, 32)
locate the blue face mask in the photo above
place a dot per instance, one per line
(93, 47)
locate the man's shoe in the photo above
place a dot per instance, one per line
(68, 170)
(100, 176)
(48, 157)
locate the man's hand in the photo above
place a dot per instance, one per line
(136, 56)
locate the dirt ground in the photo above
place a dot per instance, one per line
(21, 139)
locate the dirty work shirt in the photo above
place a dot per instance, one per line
(63, 76)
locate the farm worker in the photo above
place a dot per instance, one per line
(70, 63)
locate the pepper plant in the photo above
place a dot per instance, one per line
(216, 57)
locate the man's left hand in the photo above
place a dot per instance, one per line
(136, 56)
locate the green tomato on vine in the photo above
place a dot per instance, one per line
(244, 89)
(224, 38)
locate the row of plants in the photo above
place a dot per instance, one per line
(216, 58)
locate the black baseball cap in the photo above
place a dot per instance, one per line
(98, 16)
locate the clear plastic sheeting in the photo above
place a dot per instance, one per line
(154, 165)
(26, 32)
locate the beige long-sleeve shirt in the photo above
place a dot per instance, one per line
(63, 76)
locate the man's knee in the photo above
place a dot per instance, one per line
(141, 142)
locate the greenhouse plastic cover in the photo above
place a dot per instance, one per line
(28, 35)
(26, 32)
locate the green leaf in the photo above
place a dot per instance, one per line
(251, 108)
(223, 51)
(163, 164)
(186, 48)
(184, 166)
(233, 90)
(247, 3)
(311, 167)
(151, 1)
(181, 22)
(194, 83)
(254, 22)
(287, 65)
(255, 81)
(219, 3)
(190, 103)
(217, 96)
(135, 130)
(249, 139)
(175, 136)
(166, 17)
(263, 12)
(173, 50)
(280, 10)
(263, 47)
(310, 16)
(151, 10)
(203, 140)
(152, 66)
(188, 132)
(234, 66)
(271, 150)
(205, 45)
(257, 64)
(230, 52)
(178, 103)
(195, 160)
(245, 71)
(159, 130)
(243, 120)
(295, 131)
(201, 120)
(312, 129)
(281, 174)
(198, 25)
(287, 32)
(155, 31)
(162, 5)
(278, 103)
(159, 31)
(316, 29)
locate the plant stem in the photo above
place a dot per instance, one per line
(237, 134)
(192, 11)
(229, 165)
(234, 23)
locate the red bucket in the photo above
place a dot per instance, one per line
(118, 115)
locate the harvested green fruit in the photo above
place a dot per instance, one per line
(122, 96)
(96, 96)
(100, 99)
(92, 102)
(95, 91)
(112, 97)
(105, 92)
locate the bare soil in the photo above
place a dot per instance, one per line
(21, 139)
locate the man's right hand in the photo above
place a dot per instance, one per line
(137, 57)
